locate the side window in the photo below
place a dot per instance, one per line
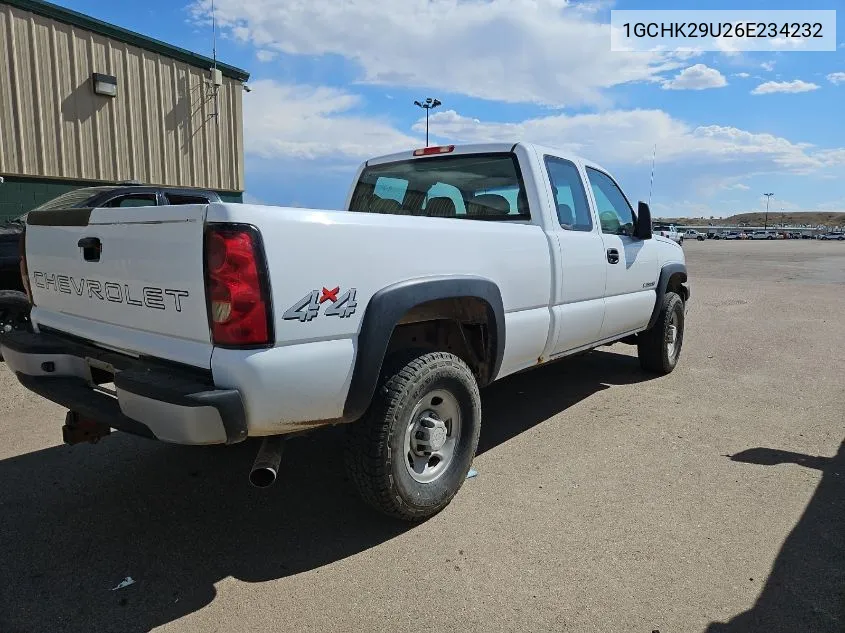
(133, 200)
(615, 214)
(573, 211)
(179, 198)
(444, 200)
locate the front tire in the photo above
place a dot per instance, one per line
(660, 346)
(410, 453)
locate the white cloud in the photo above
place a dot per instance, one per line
(539, 51)
(322, 130)
(697, 77)
(768, 66)
(264, 55)
(742, 75)
(836, 78)
(784, 43)
(626, 137)
(796, 85)
(285, 120)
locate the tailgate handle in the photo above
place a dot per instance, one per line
(91, 248)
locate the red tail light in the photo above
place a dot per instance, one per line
(24, 269)
(237, 289)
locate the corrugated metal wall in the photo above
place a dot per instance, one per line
(159, 128)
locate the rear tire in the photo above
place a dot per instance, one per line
(410, 453)
(660, 346)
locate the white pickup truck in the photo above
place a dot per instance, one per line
(452, 267)
(668, 231)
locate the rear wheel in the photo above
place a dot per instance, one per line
(660, 346)
(410, 453)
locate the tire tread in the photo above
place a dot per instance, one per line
(369, 438)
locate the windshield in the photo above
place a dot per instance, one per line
(476, 186)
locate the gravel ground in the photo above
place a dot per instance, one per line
(606, 500)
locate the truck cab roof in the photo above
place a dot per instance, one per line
(486, 148)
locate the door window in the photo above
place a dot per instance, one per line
(615, 214)
(573, 212)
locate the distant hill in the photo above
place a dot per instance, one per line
(803, 218)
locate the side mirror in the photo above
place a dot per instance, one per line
(643, 229)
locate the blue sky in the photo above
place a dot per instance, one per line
(334, 82)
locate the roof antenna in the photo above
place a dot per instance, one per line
(651, 184)
(213, 34)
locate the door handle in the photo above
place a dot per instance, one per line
(612, 256)
(91, 248)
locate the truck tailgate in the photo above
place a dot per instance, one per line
(130, 278)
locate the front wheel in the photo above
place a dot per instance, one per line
(410, 453)
(660, 346)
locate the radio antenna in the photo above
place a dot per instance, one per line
(213, 34)
(651, 184)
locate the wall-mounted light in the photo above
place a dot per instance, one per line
(104, 84)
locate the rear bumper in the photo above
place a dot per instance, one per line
(161, 401)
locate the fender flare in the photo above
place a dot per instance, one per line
(666, 274)
(386, 308)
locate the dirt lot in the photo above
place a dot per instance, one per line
(709, 500)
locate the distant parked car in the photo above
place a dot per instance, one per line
(806, 236)
(833, 236)
(668, 231)
(692, 234)
(762, 235)
(731, 235)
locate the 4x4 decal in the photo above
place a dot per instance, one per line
(308, 307)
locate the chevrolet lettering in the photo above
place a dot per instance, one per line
(146, 296)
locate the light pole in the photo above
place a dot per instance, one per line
(766, 221)
(429, 104)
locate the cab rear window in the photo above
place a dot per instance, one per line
(475, 187)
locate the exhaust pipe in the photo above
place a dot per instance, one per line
(266, 465)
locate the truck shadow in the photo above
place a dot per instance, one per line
(806, 589)
(75, 521)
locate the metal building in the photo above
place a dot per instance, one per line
(84, 102)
